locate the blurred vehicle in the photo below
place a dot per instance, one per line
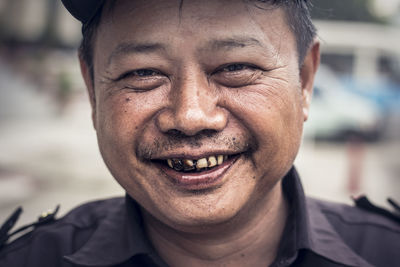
(384, 92)
(337, 114)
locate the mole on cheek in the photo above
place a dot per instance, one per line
(128, 99)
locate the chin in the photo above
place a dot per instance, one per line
(196, 210)
(197, 219)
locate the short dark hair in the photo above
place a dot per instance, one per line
(297, 15)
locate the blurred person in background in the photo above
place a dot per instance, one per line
(199, 108)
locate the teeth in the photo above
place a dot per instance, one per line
(220, 159)
(169, 161)
(201, 163)
(189, 164)
(178, 164)
(212, 161)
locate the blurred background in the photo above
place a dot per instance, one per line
(48, 149)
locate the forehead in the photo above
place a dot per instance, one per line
(194, 25)
(206, 17)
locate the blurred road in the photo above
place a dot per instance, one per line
(47, 160)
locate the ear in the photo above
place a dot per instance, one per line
(307, 75)
(87, 77)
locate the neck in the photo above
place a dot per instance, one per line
(249, 239)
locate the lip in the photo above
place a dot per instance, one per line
(201, 180)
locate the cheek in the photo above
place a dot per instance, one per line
(122, 122)
(273, 115)
(265, 109)
(115, 119)
(123, 111)
(122, 118)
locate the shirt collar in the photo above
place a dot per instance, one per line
(119, 237)
(307, 228)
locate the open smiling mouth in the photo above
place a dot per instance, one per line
(190, 165)
(197, 174)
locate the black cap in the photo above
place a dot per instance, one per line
(83, 10)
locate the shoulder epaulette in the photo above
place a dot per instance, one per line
(363, 203)
(5, 229)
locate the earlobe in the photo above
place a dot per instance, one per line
(87, 77)
(307, 75)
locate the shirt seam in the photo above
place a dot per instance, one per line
(374, 224)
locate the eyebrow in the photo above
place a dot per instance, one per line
(216, 44)
(232, 43)
(135, 48)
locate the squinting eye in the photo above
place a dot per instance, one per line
(236, 75)
(145, 72)
(234, 67)
(137, 73)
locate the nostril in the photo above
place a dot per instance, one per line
(175, 133)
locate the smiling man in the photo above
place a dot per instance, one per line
(199, 109)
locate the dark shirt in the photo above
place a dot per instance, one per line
(111, 233)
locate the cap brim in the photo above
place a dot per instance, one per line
(83, 10)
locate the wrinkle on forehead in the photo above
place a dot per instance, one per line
(154, 8)
(180, 10)
(110, 5)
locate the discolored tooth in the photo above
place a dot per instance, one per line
(225, 157)
(201, 163)
(188, 165)
(177, 164)
(188, 162)
(170, 163)
(220, 159)
(212, 161)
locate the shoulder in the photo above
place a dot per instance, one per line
(369, 234)
(45, 244)
(90, 213)
(346, 215)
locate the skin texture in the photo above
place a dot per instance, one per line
(206, 78)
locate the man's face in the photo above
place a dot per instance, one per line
(210, 82)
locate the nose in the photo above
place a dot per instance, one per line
(193, 108)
